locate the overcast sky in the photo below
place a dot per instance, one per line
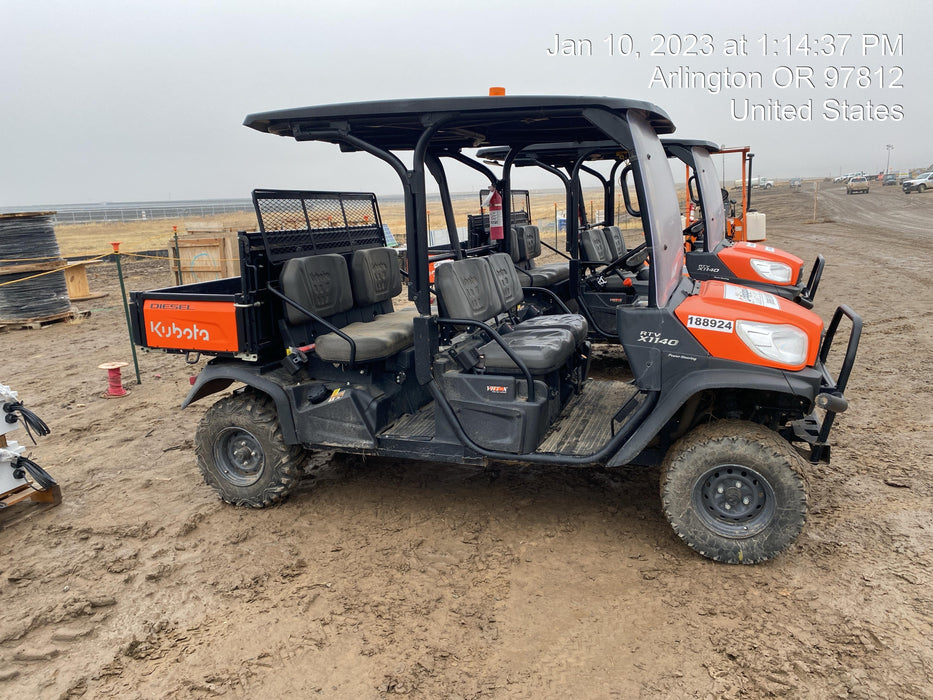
(114, 100)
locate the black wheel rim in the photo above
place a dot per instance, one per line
(734, 501)
(239, 456)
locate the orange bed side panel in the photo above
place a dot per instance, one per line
(208, 326)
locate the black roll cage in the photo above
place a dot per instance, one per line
(437, 128)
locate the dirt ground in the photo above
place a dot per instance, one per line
(384, 577)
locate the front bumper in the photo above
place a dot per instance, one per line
(831, 397)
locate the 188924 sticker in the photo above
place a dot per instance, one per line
(722, 325)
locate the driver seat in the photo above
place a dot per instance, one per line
(616, 242)
(596, 249)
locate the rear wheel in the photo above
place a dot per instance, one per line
(241, 452)
(735, 492)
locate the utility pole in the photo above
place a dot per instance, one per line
(889, 147)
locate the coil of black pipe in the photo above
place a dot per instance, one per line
(30, 286)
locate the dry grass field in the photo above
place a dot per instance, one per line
(154, 234)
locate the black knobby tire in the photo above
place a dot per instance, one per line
(241, 452)
(734, 491)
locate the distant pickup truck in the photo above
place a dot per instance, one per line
(756, 182)
(921, 183)
(856, 185)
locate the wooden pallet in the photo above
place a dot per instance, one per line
(27, 502)
(38, 501)
(48, 265)
(36, 323)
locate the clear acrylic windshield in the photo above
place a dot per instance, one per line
(714, 212)
(663, 210)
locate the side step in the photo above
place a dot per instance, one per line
(413, 426)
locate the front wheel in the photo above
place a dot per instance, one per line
(241, 452)
(735, 492)
(922, 189)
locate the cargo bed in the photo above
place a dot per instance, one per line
(205, 317)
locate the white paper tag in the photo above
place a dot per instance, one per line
(751, 296)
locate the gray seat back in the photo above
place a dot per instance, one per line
(375, 275)
(514, 245)
(616, 241)
(320, 283)
(529, 242)
(595, 247)
(466, 289)
(506, 279)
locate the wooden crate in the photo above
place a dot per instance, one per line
(203, 259)
(76, 281)
(205, 227)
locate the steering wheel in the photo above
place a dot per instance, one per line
(696, 228)
(632, 260)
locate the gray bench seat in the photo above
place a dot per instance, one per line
(542, 350)
(508, 284)
(545, 275)
(333, 291)
(380, 338)
(472, 289)
(604, 245)
(526, 246)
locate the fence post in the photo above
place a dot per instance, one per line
(126, 309)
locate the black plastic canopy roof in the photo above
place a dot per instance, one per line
(443, 126)
(469, 122)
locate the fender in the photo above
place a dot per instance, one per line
(219, 374)
(804, 383)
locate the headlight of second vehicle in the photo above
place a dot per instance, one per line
(771, 270)
(780, 343)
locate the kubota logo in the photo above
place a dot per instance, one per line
(180, 332)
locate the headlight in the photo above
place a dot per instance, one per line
(781, 343)
(773, 271)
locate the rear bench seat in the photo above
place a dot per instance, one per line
(358, 300)
(468, 289)
(526, 246)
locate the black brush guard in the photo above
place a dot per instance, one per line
(831, 396)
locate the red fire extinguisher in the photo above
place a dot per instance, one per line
(494, 203)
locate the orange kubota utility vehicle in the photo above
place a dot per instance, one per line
(730, 384)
